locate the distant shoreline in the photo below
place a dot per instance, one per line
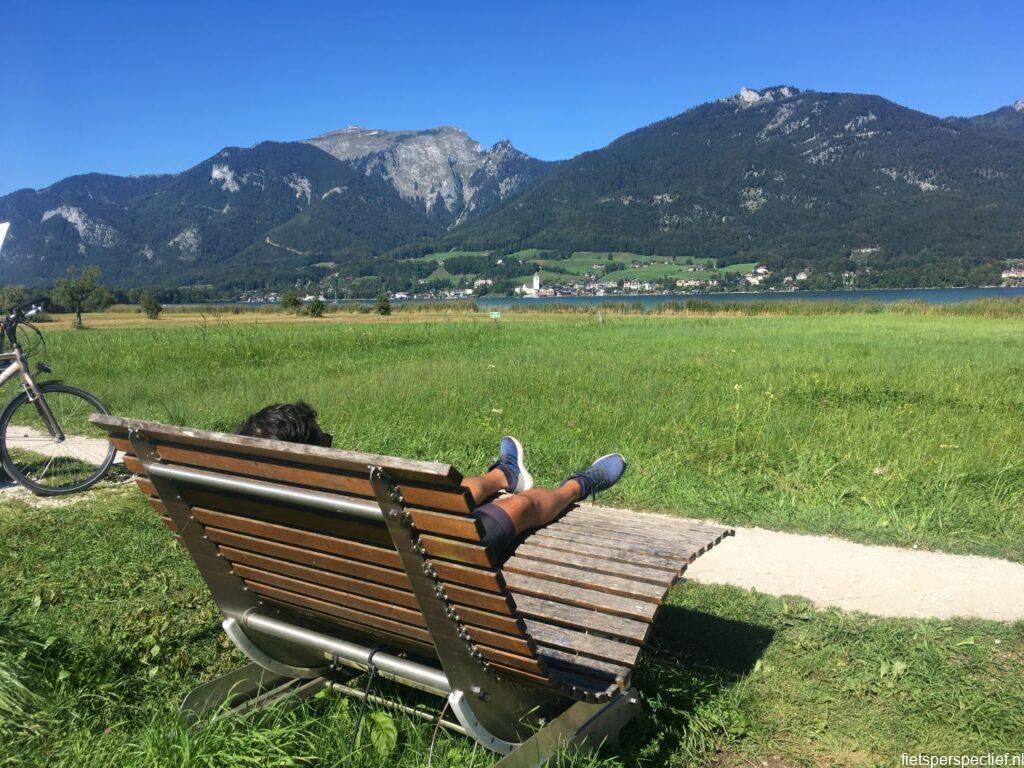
(885, 295)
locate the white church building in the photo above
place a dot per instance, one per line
(530, 290)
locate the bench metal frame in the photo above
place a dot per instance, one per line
(289, 662)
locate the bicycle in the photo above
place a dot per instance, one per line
(47, 442)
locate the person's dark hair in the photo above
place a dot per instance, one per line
(291, 422)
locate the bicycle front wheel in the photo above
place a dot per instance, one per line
(49, 465)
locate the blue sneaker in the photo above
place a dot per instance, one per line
(510, 461)
(601, 475)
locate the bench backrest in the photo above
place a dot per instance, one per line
(294, 553)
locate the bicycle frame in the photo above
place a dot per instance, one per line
(19, 364)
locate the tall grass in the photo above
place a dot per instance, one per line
(342, 308)
(1002, 308)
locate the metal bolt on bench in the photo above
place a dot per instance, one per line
(325, 562)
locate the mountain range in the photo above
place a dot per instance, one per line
(795, 179)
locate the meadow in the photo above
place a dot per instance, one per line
(885, 426)
(581, 263)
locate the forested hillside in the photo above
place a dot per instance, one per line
(835, 181)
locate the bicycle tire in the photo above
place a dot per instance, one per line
(17, 475)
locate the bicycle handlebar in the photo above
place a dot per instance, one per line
(26, 310)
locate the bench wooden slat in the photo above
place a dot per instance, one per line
(295, 561)
(605, 553)
(613, 585)
(514, 662)
(331, 609)
(516, 645)
(460, 551)
(369, 635)
(398, 596)
(642, 522)
(653, 549)
(496, 636)
(592, 563)
(542, 538)
(345, 600)
(460, 595)
(315, 541)
(675, 541)
(506, 624)
(145, 485)
(539, 679)
(584, 686)
(581, 619)
(583, 664)
(324, 523)
(583, 644)
(333, 480)
(612, 605)
(466, 528)
(431, 473)
(478, 578)
(307, 557)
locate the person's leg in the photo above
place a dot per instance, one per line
(507, 518)
(538, 507)
(508, 473)
(484, 487)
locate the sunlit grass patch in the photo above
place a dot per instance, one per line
(105, 624)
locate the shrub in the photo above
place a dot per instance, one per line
(383, 304)
(149, 305)
(314, 308)
(290, 301)
(697, 305)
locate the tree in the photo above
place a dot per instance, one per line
(290, 300)
(314, 308)
(101, 298)
(75, 291)
(149, 305)
(383, 304)
(12, 295)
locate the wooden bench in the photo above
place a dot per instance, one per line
(329, 563)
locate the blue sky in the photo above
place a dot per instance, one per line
(157, 87)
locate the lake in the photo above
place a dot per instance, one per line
(929, 295)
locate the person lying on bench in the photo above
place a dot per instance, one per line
(504, 519)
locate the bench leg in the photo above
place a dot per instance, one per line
(246, 689)
(583, 725)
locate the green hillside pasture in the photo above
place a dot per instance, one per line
(659, 271)
(742, 268)
(442, 255)
(654, 267)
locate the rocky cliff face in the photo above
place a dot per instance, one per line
(442, 169)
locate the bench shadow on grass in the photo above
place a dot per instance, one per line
(691, 658)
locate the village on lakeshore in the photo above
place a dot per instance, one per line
(592, 274)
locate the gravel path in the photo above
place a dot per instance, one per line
(884, 581)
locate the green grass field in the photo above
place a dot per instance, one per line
(582, 263)
(653, 267)
(442, 255)
(885, 427)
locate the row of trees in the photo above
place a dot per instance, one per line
(80, 291)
